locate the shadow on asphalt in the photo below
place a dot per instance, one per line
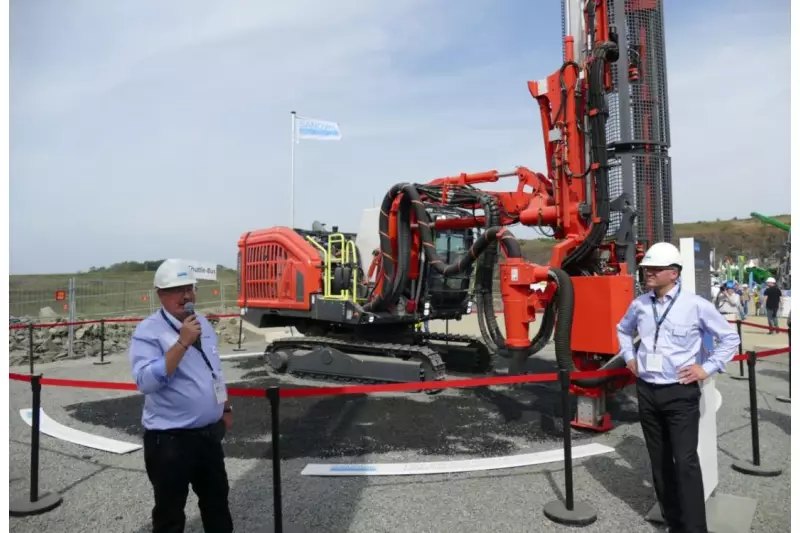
(783, 374)
(631, 463)
(780, 420)
(477, 421)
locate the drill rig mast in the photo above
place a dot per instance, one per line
(604, 122)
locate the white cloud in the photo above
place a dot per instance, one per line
(184, 109)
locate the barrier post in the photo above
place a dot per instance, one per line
(568, 512)
(273, 393)
(239, 348)
(745, 467)
(36, 503)
(30, 345)
(788, 399)
(102, 360)
(741, 375)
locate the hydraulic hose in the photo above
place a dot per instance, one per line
(387, 295)
(403, 250)
(599, 155)
(565, 298)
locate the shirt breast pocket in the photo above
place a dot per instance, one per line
(681, 334)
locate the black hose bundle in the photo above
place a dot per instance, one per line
(387, 294)
(576, 261)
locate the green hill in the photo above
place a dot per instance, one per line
(123, 288)
(741, 236)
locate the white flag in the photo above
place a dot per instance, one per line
(309, 128)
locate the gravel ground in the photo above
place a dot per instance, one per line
(106, 492)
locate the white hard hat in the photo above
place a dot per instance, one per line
(173, 273)
(662, 254)
(770, 280)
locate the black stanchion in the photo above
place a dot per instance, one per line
(239, 348)
(568, 512)
(741, 375)
(102, 360)
(30, 346)
(36, 503)
(273, 393)
(788, 399)
(755, 468)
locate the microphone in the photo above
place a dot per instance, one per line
(188, 308)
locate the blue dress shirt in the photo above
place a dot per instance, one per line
(186, 399)
(680, 337)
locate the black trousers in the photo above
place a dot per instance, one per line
(670, 418)
(174, 460)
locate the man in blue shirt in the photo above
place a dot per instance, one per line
(669, 363)
(176, 365)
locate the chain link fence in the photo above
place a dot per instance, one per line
(80, 298)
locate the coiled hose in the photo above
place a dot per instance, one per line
(390, 287)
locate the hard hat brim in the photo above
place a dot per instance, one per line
(658, 265)
(177, 283)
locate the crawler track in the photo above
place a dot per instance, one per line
(432, 367)
(475, 355)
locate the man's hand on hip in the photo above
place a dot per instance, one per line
(633, 367)
(691, 373)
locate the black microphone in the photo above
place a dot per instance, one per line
(188, 308)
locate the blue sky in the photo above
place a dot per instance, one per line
(176, 114)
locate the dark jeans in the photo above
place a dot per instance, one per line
(772, 320)
(670, 418)
(178, 458)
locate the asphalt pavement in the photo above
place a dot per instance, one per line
(106, 492)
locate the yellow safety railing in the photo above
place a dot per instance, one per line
(347, 255)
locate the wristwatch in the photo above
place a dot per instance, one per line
(228, 409)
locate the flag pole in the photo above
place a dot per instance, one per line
(291, 202)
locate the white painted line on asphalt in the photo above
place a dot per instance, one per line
(59, 431)
(448, 467)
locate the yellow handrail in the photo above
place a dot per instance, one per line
(348, 254)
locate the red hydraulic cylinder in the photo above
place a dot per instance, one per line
(519, 302)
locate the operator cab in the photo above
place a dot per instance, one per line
(450, 295)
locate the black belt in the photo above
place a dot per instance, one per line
(667, 385)
(211, 430)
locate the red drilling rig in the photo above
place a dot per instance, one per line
(604, 121)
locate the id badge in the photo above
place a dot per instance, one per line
(653, 361)
(220, 390)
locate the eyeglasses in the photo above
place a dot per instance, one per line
(182, 289)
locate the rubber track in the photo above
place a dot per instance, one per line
(430, 359)
(484, 361)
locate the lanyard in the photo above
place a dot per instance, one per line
(660, 321)
(197, 344)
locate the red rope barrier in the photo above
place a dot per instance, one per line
(776, 351)
(97, 321)
(760, 326)
(304, 392)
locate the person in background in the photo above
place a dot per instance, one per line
(669, 363)
(729, 303)
(745, 297)
(756, 299)
(772, 303)
(175, 364)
